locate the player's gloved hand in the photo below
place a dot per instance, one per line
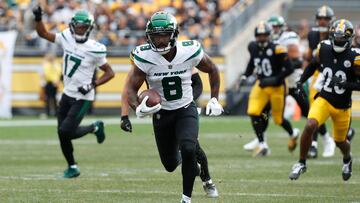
(126, 124)
(337, 81)
(142, 110)
(270, 81)
(86, 88)
(213, 108)
(37, 11)
(242, 80)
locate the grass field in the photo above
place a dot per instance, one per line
(126, 168)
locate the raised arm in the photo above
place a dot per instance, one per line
(40, 27)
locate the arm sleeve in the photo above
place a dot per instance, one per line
(196, 85)
(309, 71)
(249, 68)
(288, 68)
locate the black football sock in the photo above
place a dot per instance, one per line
(322, 129)
(202, 160)
(287, 126)
(82, 131)
(258, 126)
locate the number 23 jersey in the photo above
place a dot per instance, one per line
(172, 79)
(79, 63)
(340, 65)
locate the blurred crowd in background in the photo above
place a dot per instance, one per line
(118, 22)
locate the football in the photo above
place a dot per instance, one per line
(154, 97)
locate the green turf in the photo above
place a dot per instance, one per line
(126, 168)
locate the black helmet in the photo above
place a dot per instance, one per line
(325, 12)
(262, 29)
(341, 34)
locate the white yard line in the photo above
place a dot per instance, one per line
(173, 193)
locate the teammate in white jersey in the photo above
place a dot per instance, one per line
(166, 64)
(81, 58)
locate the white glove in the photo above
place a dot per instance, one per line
(213, 108)
(142, 110)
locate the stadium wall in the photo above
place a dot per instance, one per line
(26, 86)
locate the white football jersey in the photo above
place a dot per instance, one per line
(286, 39)
(172, 79)
(79, 63)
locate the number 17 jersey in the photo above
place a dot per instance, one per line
(172, 80)
(80, 61)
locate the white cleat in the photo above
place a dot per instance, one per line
(297, 170)
(251, 145)
(185, 199)
(210, 189)
(329, 146)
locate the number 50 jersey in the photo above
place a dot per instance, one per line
(79, 63)
(268, 62)
(172, 79)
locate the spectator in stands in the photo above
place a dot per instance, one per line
(50, 78)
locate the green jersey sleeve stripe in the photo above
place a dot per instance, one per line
(62, 34)
(195, 54)
(98, 52)
(142, 60)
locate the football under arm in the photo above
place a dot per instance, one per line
(208, 66)
(106, 76)
(136, 79)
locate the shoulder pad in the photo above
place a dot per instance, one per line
(279, 49)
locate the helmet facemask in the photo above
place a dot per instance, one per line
(81, 25)
(162, 32)
(341, 35)
(262, 34)
(157, 39)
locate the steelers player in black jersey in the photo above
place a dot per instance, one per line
(336, 60)
(324, 16)
(272, 66)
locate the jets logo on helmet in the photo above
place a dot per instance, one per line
(341, 34)
(162, 24)
(81, 25)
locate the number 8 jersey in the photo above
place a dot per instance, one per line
(172, 79)
(79, 63)
(340, 65)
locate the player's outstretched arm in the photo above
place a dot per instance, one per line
(206, 65)
(125, 121)
(213, 108)
(106, 76)
(39, 25)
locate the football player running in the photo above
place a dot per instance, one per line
(272, 67)
(291, 41)
(166, 64)
(201, 157)
(81, 58)
(324, 16)
(337, 61)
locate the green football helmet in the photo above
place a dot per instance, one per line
(278, 26)
(81, 25)
(162, 23)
